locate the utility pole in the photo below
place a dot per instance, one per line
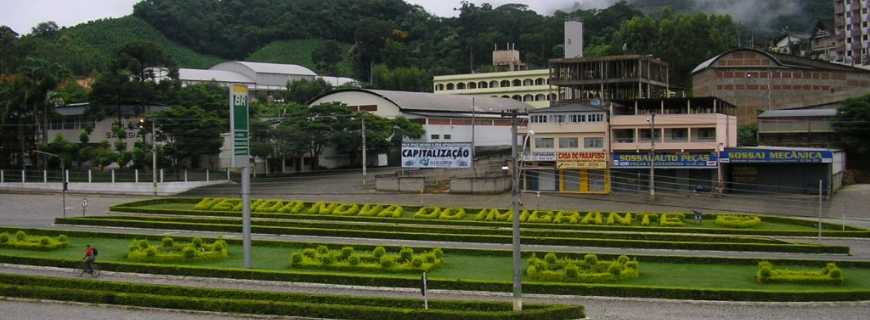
(515, 196)
(652, 156)
(246, 212)
(362, 116)
(820, 209)
(473, 143)
(154, 155)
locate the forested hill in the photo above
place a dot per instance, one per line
(353, 35)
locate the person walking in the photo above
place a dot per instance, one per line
(89, 259)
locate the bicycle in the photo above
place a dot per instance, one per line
(95, 271)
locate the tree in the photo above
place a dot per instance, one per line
(747, 135)
(10, 51)
(403, 79)
(852, 125)
(45, 29)
(129, 82)
(302, 91)
(190, 132)
(327, 56)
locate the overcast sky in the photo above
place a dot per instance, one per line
(23, 15)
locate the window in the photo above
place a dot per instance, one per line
(595, 117)
(577, 118)
(623, 135)
(505, 84)
(460, 86)
(704, 134)
(528, 97)
(645, 134)
(593, 143)
(539, 119)
(439, 87)
(472, 85)
(435, 137)
(544, 143)
(540, 97)
(527, 82)
(448, 136)
(568, 143)
(539, 81)
(450, 86)
(677, 135)
(493, 84)
(517, 83)
(482, 85)
(557, 118)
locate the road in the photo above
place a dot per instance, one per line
(40, 211)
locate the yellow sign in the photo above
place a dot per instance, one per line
(581, 160)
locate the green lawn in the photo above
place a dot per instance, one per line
(707, 223)
(480, 267)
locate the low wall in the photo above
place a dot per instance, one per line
(400, 184)
(498, 184)
(130, 188)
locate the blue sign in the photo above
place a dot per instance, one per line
(776, 156)
(666, 160)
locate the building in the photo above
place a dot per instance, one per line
(823, 45)
(766, 169)
(71, 120)
(799, 127)
(585, 79)
(568, 149)
(529, 86)
(584, 148)
(797, 44)
(757, 81)
(445, 118)
(852, 32)
(263, 79)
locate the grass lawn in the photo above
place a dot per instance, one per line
(470, 214)
(479, 267)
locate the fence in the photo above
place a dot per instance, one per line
(112, 176)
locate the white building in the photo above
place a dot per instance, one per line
(445, 118)
(257, 76)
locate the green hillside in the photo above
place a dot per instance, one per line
(297, 52)
(89, 46)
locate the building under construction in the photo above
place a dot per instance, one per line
(622, 77)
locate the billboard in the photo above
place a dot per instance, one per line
(542, 156)
(776, 156)
(674, 160)
(239, 125)
(436, 155)
(581, 160)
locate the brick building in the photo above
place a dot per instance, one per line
(757, 81)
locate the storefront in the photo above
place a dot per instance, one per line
(783, 170)
(569, 172)
(674, 171)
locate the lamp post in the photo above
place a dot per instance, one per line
(63, 177)
(153, 151)
(652, 156)
(515, 201)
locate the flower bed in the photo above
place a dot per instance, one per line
(171, 251)
(21, 240)
(737, 221)
(830, 274)
(377, 260)
(588, 269)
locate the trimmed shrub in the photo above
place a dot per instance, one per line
(590, 269)
(830, 275)
(346, 252)
(20, 236)
(346, 209)
(572, 271)
(616, 218)
(310, 253)
(206, 203)
(417, 262)
(292, 207)
(593, 217)
(353, 260)
(322, 207)
(387, 262)
(571, 217)
(550, 258)
(4, 237)
(737, 221)
(370, 210)
(540, 216)
(393, 211)
(167, 242)
(327, 259)
(151, 252)
(622, 259)
(196, 242)
(452, 214)
(296, 259)
(406, 254)
(439, 254)
(590, 259)
(188, 252)
(672, 219)
(429, 258)
(427, 213)
(379, 252)
(22, 240)
(322, 250)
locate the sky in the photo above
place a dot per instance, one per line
(23, 15)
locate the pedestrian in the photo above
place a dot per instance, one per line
(90, 258)
(698, 216)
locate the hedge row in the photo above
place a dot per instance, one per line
(21, 240)
(172, 251)
(829, 231)
(737, 221)
(830, 274)
(378, 260)
(268, 307)
(617, 290)
(467, 230)
(397, 233)
(589, 269)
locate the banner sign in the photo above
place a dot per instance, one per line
(666, 160)
(776, 156)
(239, 125)
(540, 156)
(581, 160)
(436, 155)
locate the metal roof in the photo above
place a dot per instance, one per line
(425, 101)
(338, 81)
(79, 109)
(573, 107)
(212, 75)
(783, 60)
(289, 69)
(796, 113)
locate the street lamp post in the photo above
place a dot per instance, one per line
(63, 178)
(515, 201)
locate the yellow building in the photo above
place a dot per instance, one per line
(529, 86)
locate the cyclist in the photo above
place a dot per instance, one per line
(89, 259)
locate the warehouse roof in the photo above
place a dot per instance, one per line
(291, 69)
(212, 75)
(797, 113)
(425, 101)
(782, 60)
